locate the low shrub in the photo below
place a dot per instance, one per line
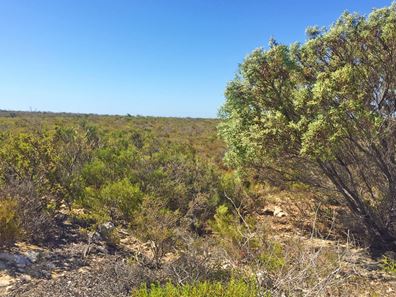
(273, 257)
(10, 228)
(388, 264)
(241, 237)
(228, 230)
(115, 201)
(35, 213)
(235, 288)
(157, 224)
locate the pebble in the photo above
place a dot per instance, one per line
(25, 277)
(32, 256)
(51, 265)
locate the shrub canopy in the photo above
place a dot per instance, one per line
(323, 112)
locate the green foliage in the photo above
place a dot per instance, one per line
(106, 167)
(241, 188)
(245, 242)
(238, 235)
(321, 112)
(27, 157)
(388, 265)
(227, 226)
(10, 226)
(116, 200)
(122, 195)
(273, 257)
(235, 288)
(74, 148)
(49, 160)
(155, 223)
(131, 165)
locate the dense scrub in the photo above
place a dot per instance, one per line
(109, 174)
(196, 217)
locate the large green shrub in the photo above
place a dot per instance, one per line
(323, 113)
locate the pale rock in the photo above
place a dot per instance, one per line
(275, 211)
(105, 229)
(32, 256)
(278, 212)
(6, 281)
(26, 277)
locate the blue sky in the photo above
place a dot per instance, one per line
(161, 58)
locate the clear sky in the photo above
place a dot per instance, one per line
(163, 58)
